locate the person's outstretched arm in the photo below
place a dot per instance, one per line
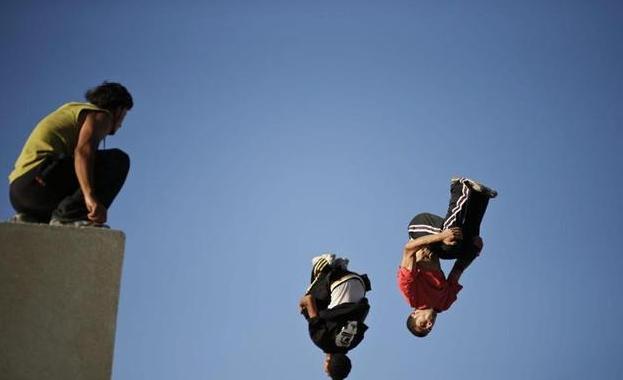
(450, 236)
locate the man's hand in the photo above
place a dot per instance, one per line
(452, 236)
(308, 304)
(423, 254)
(97, 211)
(303, 302)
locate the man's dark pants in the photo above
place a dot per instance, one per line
(52, 189)
(466, 210)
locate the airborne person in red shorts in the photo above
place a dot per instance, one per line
(457, 237)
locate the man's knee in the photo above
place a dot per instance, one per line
(121, 156)
(424, 224)
(116, 157)
(425, 218)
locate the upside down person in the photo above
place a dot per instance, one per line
(335, 307)
(431, 238)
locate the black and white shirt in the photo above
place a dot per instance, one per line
(339, 326)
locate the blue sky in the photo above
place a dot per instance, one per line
(267, 132)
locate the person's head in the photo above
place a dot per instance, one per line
(112, 97)
(421, 322)
(337, 366)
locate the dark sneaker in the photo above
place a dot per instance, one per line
(20, 217)
(476, 186)
(320, 262)
(77, 223)
(341, 263)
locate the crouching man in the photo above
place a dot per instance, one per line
(61, 176)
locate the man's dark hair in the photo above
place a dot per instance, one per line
(110, 96)
(412, 326)
(339, 366)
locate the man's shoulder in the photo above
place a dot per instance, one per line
(83, 105)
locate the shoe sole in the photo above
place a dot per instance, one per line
(78, 224)
(21, 218)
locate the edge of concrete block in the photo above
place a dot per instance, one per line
(59, 292)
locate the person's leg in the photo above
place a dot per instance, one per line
(457, 207)
(475, 212)
(429, 224)
(39, 191)
(425, 224)
(468, 203)
(319, 287)
(110, 170)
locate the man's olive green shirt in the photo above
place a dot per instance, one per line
(55, 134)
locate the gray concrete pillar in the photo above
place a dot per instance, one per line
(59, 290)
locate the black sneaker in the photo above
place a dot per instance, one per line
(77, 223)
(476, 186)
(320, 262)
(341, 263)
(20, 217)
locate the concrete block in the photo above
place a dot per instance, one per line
(59, 290)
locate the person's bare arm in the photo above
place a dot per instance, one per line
(450, 237)
(95, 127)
(307, 303)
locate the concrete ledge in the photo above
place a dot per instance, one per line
(59, 290)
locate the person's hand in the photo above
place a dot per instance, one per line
(304, 302)
(423, 254)
(478, 244)
(97, 211)
(452, 236)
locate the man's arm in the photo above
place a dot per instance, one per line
(463, 262)
(308, 303)
(449, 237)
(95, 127)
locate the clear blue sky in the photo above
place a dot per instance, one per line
(267, 132)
